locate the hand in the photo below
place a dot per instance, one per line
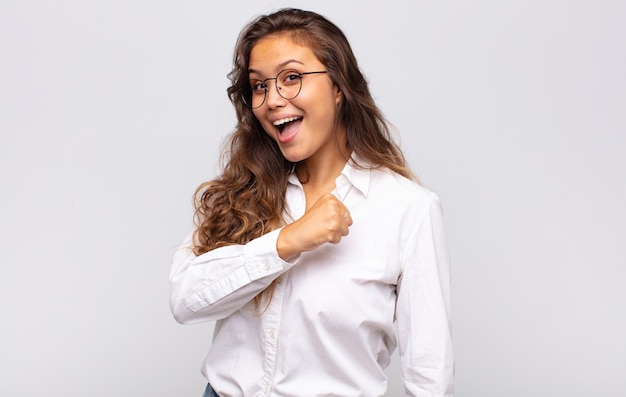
(327, 221)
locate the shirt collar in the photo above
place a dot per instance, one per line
(356, 173)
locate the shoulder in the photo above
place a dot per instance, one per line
(408, 207)
(401, 204)
(398, 189)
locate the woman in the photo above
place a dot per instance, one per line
(314, 250)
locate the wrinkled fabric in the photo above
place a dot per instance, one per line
(338, 312)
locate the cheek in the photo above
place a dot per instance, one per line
(258, 114)
(321, 103)
(325, 108)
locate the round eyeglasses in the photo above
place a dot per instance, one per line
(288, 85)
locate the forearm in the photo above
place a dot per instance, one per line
(423, 311)
(216, 284)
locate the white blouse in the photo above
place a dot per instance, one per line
(337, 312)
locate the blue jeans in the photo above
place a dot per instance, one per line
(209, 392)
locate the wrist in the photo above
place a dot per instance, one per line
(284, 246)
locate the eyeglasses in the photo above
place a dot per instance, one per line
(288, 85)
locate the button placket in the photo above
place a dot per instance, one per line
(271, 324)
(295, 203)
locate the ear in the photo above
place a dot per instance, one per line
(338, 96)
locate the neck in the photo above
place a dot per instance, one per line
(318, 173)
(322, 172)
(325, 166)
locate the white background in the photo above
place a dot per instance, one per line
(112, 112)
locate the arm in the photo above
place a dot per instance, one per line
(216, 284)
(423, 310)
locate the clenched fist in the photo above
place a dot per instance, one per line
(327, 221)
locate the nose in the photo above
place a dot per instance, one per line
(273, 98)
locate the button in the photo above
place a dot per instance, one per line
(279, 280)
(267, 266)
(272, 334)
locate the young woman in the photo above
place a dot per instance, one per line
(314, 250)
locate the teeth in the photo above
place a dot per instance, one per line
(285, 120)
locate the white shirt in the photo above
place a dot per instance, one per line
(337, 312)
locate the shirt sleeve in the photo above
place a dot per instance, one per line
(214, 285)
(423, 310)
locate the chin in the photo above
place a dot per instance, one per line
(293, 156)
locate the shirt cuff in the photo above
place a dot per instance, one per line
(259, 259)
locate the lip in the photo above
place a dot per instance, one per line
(292, 132)
(279, 132)
(279, 117)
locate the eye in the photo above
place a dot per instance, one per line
(257, 86)
(290, 77)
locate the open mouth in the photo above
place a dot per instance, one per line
(286, 123)
(287, 129)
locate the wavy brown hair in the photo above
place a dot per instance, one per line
(248, 198)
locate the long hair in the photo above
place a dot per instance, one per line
(247, 200)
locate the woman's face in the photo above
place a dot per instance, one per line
(303, 126)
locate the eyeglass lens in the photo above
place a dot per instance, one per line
(288, 85)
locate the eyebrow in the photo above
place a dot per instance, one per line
(280, 65)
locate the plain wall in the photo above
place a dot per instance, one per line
(112, 112)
